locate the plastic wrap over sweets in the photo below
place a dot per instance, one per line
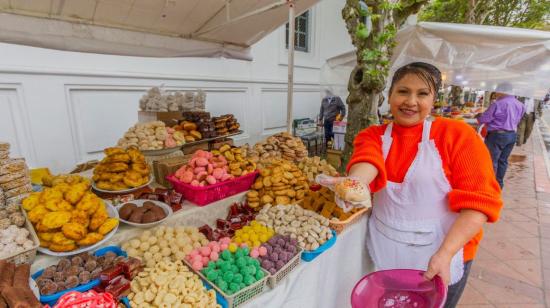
(349, 192)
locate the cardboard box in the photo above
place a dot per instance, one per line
(167, 166)
(169, 118)
(190, 149)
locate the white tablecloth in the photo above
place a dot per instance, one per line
(326, 281)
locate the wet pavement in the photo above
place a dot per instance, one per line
(512, 267)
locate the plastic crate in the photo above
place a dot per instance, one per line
(340, 226)
(241, 297)
(207, 194)
(52, 299)
(309, 256)
(280, 275)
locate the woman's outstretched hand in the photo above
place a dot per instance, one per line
(440, 264)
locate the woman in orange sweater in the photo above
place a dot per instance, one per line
(433, 184)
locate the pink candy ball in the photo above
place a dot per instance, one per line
(197, 258)
(194, 253)
(214, 256)
(216, 248)
(224, 246)
(262, 250)
(212, 244)
(225, 240)
(197, 266)
(254, 253)
(205, 261)
(205, 251)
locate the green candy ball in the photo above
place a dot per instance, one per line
(211, 265)
(239, 253)
(248, 280)
(222, 285)
(226, 267)
(256, 263)
(240, 262)
(252, 270)
(212, 275)
(228, 276)
(237, 278)
(234, 287)
(246, 270)
(259, 275)
(226, 255)
(246, 251)
(242, 285)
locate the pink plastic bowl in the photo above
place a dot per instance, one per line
(398, 288)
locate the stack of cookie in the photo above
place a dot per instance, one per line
(280, 182)
(204, 122)
(15, 182)
(281, 145)
(226, 124)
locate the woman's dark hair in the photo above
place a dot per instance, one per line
(427, 72)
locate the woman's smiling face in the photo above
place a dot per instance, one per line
(411, 100)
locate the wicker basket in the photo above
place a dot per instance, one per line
(340, 226)
(28, 255)
(241, 297)
(274, 280)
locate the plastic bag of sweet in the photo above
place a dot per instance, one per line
(349, 192)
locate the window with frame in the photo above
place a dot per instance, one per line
(301, 33)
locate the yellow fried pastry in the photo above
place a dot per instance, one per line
(61, 248)
(76, 193)
(90, 239)
(118, 158)
(107, 226)
(120, 186)
(113, 151)
(105, 185)
(62, 187)
(37, 213)
(80, 217)
(31, 201)
(89, 203)
(117, 167)
(60, 239)
(50, 194)
(53, 220)
(141, 168)
(74, 231)
(132, 178)
(98, 218)
(46, 236)
(41, 228)
(44, 244)
(55, 205)
(135, 155)
(115, 177)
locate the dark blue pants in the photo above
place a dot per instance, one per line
(500, 146)
(455, 291)
(328, 131)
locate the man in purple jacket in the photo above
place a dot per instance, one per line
(501, 119)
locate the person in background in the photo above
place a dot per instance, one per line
(502, 119)
(533, 111)
(331, 107)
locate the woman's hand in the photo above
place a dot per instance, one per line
(440, 264)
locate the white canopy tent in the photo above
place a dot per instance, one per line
(468, 55)
(154, 28)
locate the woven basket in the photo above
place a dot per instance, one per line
(281, 274)
(28, 255)
(242, 296)
(340, 226)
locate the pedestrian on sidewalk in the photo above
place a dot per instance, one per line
(433, 184)
(502, 119)
(533, 111)
(331, 108)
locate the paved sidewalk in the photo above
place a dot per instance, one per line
(512, 268)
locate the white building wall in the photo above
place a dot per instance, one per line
(61, 108)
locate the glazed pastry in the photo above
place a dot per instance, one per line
(352, 190)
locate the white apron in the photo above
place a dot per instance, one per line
(409, 221)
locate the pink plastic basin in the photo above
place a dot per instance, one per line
(398, 288)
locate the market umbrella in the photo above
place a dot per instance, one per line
(476, 56)
(153, 28)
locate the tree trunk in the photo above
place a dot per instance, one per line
(362, 110)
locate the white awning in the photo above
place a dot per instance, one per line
(475, 56)
(156, 28)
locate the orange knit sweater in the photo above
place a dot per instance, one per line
(466, 162)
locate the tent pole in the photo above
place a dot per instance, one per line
(290, 92)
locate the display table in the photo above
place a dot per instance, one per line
(327, 281)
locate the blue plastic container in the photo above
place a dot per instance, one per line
(219, 298)
(52, 299)
(308, 256)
